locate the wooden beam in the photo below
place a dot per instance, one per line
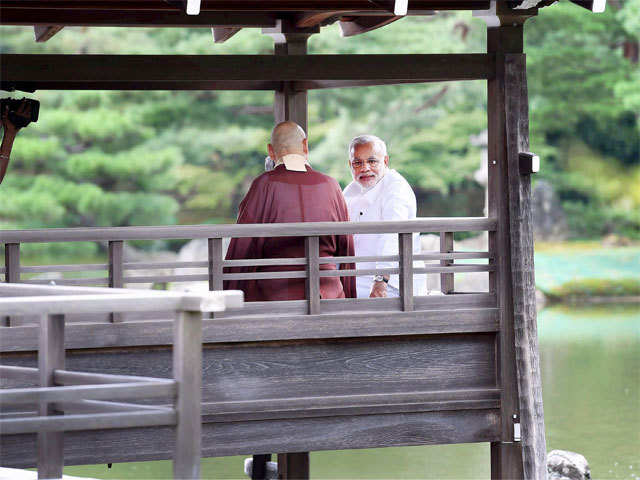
(187, 72)
(359, 25)
(136, 18)
(222, 34)
(44, 33)
(247, 5)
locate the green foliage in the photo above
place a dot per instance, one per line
(157, 157)
(595, 287)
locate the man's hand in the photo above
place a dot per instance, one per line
(378, 289)
(23, 111)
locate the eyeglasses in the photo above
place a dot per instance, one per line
(372, 162)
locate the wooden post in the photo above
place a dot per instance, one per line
(50, 358)
(446, 246)
(289, 103)
(293, 466)
(311, 247)
(259, 468)
(116, 271)
(12, 271)
(534, 449)
(405, 250)
(187, 371)
(506, 455)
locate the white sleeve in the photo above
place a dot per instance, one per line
(396, 207)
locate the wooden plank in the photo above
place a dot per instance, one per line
(312, 284)
(19, 373)
(222, 34)
(43, 71)
(330, 405)
(531, 416)
(54, 426)
(224, 439)
(255, 262)
(136, 18)
(187, 371)
(45, 32)
(51, 356)
(265, 275)
(116, 271)
(131, 301)
(66, 377)
(202, 277)
(506, 458)
(100, 406)
(446, 279)
(405, 249)
(348, 367)
(81, 267)
(95, 234)
(115, 391)
(215, 263)
(154, 265)
(265, 327)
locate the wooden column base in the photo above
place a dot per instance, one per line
(293, 466)
(506, 461)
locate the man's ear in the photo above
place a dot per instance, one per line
(386, 160)
(305, 146)
(272, 152)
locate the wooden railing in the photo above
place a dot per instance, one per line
(118, 273)
(72, 400)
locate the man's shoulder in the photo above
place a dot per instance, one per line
(323, 177)
(395, 181)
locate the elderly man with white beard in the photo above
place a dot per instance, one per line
(379, 193)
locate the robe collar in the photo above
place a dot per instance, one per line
(293, 162)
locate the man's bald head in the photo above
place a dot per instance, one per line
(287, 138)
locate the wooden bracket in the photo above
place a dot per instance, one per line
(501, 14)
(45, 32)
(529, 163)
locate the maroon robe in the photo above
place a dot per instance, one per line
(283, 196)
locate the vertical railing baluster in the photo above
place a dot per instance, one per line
(50, 358)
(405, 249)
(446, 246)
(187, 372)
(116, 272)
(215, 266)
(11, 271)
(311, 247)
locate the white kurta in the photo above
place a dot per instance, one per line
(390, 199)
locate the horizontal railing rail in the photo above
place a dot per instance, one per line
(173, 232)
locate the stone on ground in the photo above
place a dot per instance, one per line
(564, 465)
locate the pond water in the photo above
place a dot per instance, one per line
(590, 360)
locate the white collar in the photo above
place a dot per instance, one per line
(293, 162)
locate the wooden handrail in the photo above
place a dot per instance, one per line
(95, 234)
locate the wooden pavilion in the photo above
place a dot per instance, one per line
(308, 375)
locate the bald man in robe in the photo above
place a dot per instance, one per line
(291, 192)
